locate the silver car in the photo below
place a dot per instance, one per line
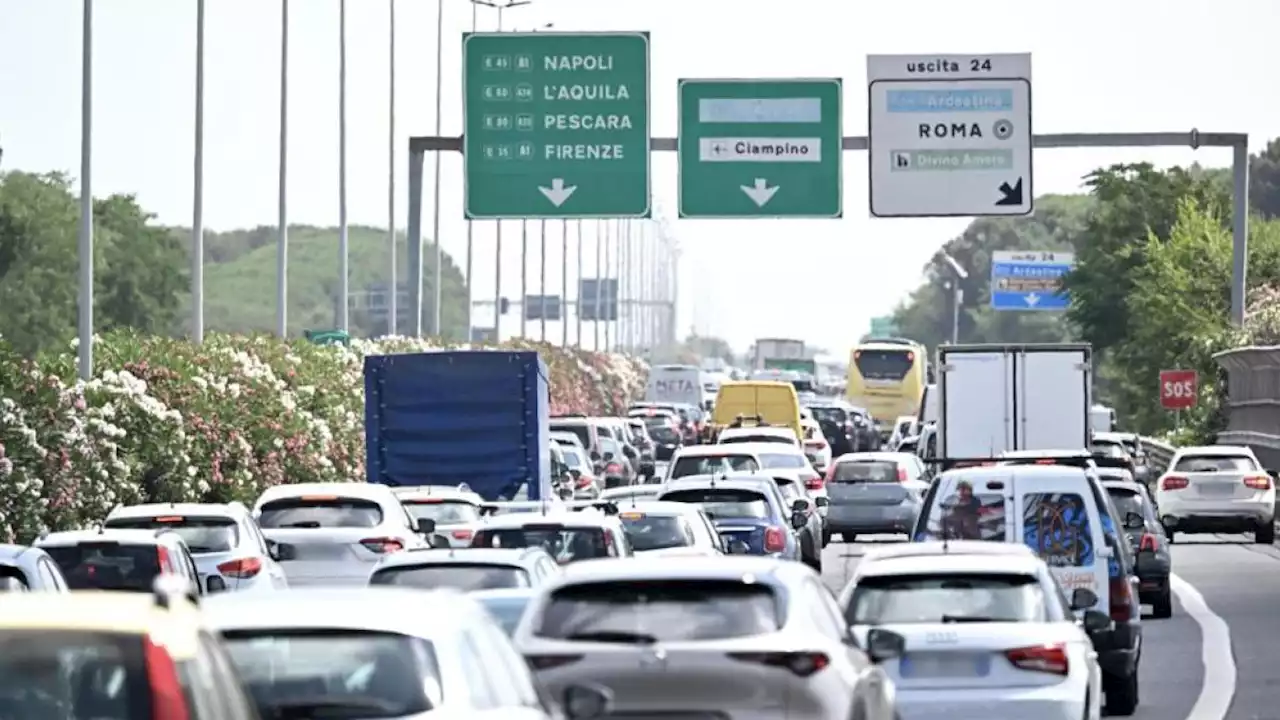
(874, 493)
(29, 569)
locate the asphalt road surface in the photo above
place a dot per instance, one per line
(1217, 658)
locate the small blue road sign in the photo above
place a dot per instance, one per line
(1029, 280)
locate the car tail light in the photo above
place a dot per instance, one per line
(1121, 599)
(1148, 542)
(813, 483)
(613, 469)
(817, 444)
(547, 662)
(1257, 482)
(162, 559)
(801, 664)
(585, 480)
(462, 534)
(775, 539)
(1040, 658)
(168, 702)
(241, 569)
(383, 545)
(902, 474)
(1173, 482)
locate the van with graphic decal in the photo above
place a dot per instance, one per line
(1065, 515)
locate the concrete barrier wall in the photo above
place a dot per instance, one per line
(1253, 400)
(1159, 454)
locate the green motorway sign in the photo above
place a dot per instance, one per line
(556, 125)
(760, 148)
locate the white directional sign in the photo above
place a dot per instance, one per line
(949, 135)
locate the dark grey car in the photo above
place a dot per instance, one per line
(872, 493)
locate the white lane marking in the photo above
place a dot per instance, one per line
(1215, 651)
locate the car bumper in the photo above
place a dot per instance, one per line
(1118, 648)
(1217, 515)
(871, 519)
(1056, 702)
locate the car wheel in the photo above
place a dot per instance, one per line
(1121, 693)
(826, 538)
(848, 537)
(1163, 606)
(1168, 534)
(1265, 534)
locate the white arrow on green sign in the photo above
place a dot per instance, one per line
(760, 148)
(556, 125)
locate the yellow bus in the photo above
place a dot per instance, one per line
(887, 376)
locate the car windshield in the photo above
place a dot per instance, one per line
(580, 430)
(317, 512)
(724, 503)
(1215, 463)
(344, 674)
(883, 364)
(565, 544)
(1109, 450)
(442, 511)
(946, 598)
(202, 534)
(56, 673)
(645, 612)
(461, 576)
(648, 531)
(788, 461)
(108, 565)
(712, 465)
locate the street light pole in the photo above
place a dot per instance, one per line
(436, 328)
(344, 248)
(393, 305)
(197, 191)
(282, 240)
(85, 243)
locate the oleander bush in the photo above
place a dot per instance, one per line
(166, 420)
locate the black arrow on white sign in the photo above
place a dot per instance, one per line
(1011, 195)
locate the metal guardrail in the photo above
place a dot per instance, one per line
(1160, 454)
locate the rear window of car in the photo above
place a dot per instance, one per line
(202, 534)
(1057, 527)
(1215, 463)
(648, 531)
(726, 439)
(785, 461)
(884, 364)
(70, 673)
(461, 576)
(108, 565)
(828, 414)
(1112, 450)
(961, 513)
(308, 512)
(724, 503)
(506, 610)
(580, 429)
(565, 544)
(946, 598)
(712, 464)
(647, 611)
(1128, 501)
(443, 512)
(865, 471)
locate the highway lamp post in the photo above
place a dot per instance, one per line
(564, 283)
(542, 281)
(344, 248)
(577, 305)
(956, 293)
(435, 220)
(85, 243)
(197, 190)
(393, 305)
(282, 240)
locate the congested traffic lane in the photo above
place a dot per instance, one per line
(1172, 671)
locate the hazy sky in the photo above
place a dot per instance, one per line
(1136, 65)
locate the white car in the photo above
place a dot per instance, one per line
(1217, 488)
(334, 533)
(570, 533)
(467, 570)
(903, 427)
(738, 638)
(816, 447)
(988, 632)
(670, 529)
(758, 434)
(454, 510)
(386, 652)
(229, 550)
(706, 459)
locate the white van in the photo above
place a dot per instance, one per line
(1056, 510)
(679, 384)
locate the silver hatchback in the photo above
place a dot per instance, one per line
(873, 493)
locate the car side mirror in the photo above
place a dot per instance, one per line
(586, 702)
(822, 501)
(1083, 599)
(799, 519)
(1134, 521)
(800, 506)
(426, 526)
(438, 541)
(884, 645)
(1096, 621)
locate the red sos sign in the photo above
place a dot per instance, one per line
(1178, 389)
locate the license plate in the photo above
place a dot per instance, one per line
(1217, 489)
(943, 666)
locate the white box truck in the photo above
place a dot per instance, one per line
(994, 398)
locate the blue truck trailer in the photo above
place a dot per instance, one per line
(445, 418)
